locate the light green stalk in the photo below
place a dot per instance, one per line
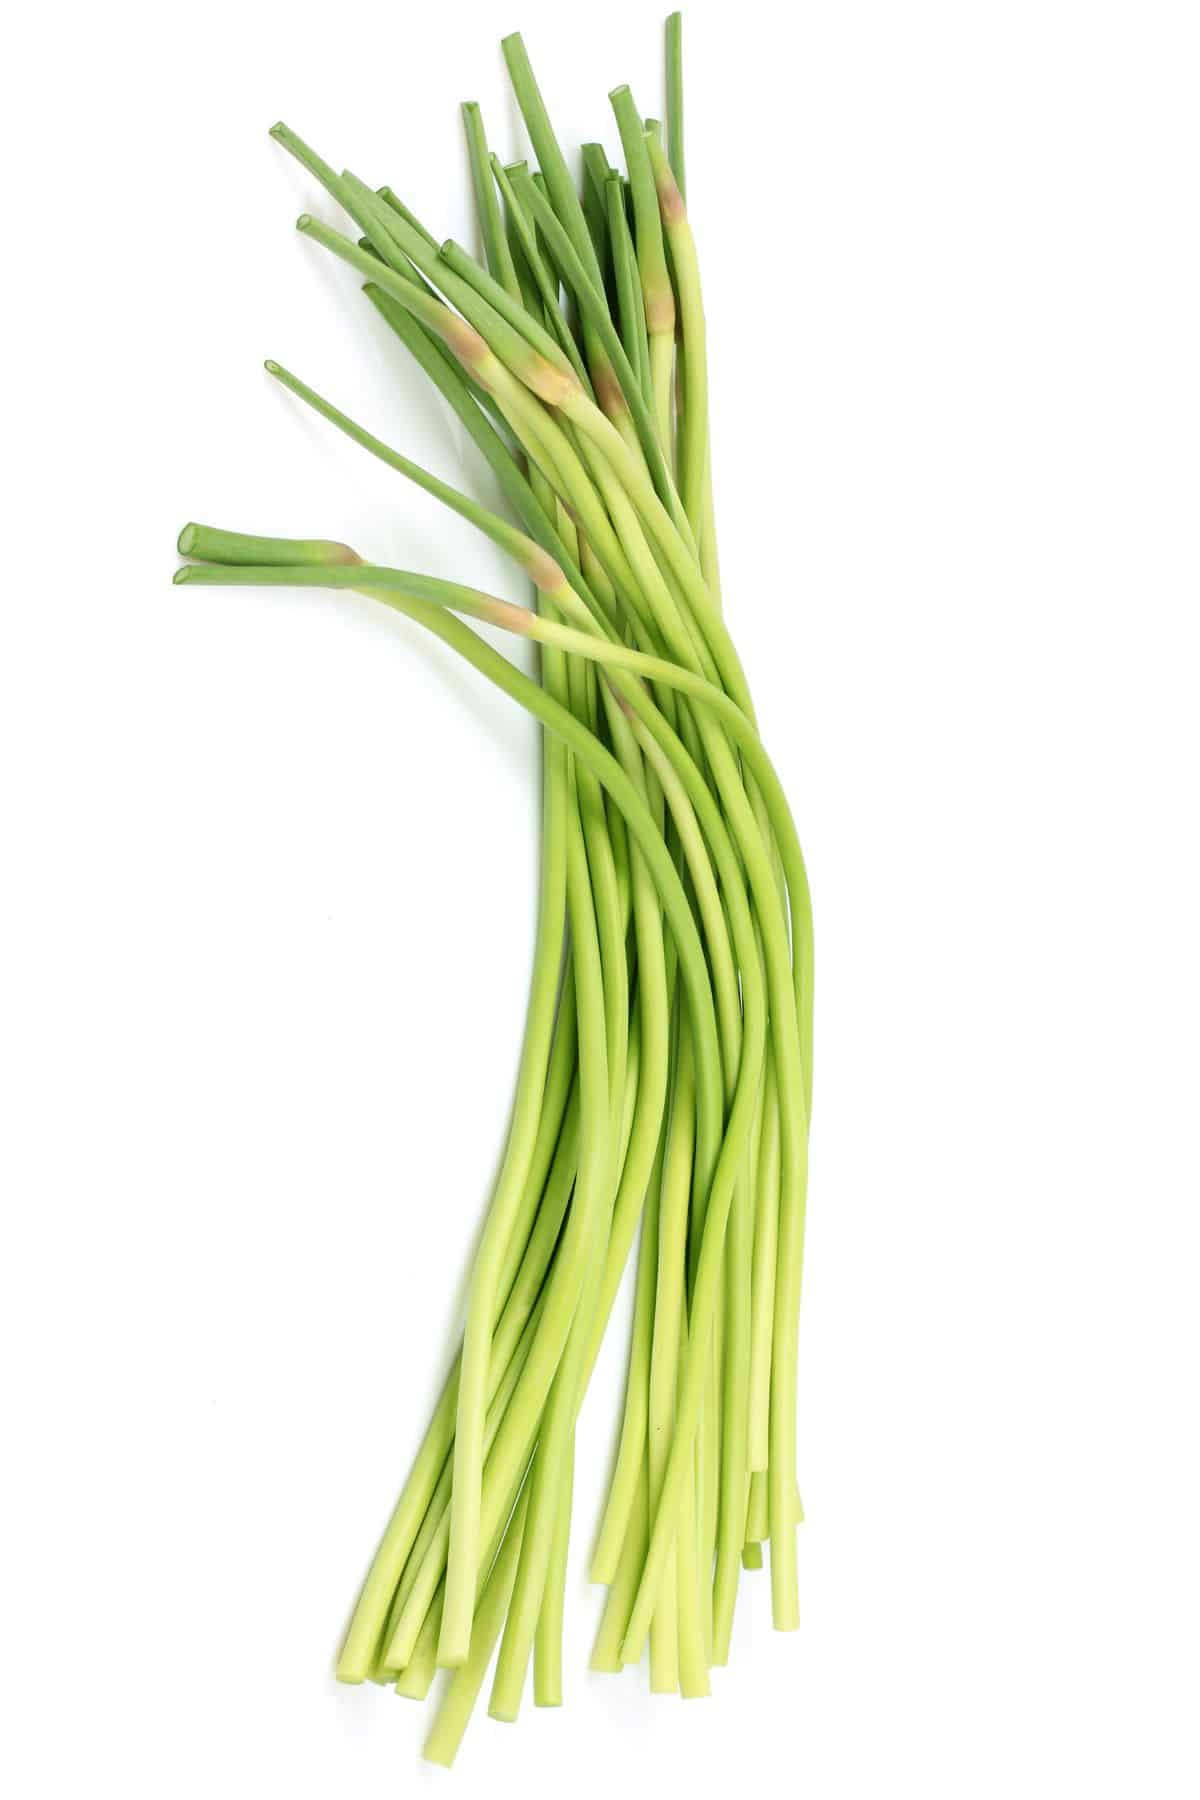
(547, 1643)
(630, 310)
(762, 1311)
(458, 1702)
(606, 1657)
(629, 1467)
(693, 447)
(693, 1657)
(674, 34)
(657, 296)
(665, 1647)
(234, 548)
(758, 1527)
(590, 1217)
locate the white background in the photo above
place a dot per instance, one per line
(270, 862)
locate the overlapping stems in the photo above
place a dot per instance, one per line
(666, 1063)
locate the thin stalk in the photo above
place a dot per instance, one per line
(693, 448)
(657, 296)
(590, 1217)
(735, 1356)
(758, 1527)
(208, 543)
(557, 176)
(630, 310)
(782, 1493)
(629, 1468)
(668, 1326)
(655, 979)
(693, 1661)
(596, 172)
(606, 1658)
(547, 1643)
(458, 1702)
(541, 568)
(674, 35)
(397, 206)
(468, 402)
(708, 1431)
(491, 225)
(762, 1310)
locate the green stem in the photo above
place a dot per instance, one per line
(458, 1702)
(675, 97)
(762, 1310)
(590, 1217)
(487, 207)
(630, 310)
(693, 456)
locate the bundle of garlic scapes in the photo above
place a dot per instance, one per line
(665, 1075)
